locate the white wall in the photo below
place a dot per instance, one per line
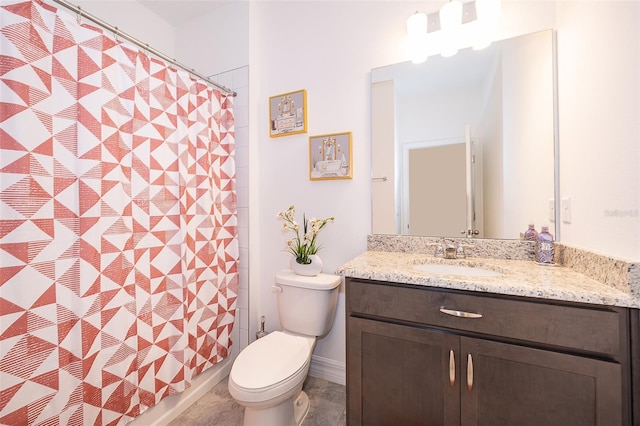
(599, 85)
(133, 19)
(216, 42)
(290, 51)
(438, 115)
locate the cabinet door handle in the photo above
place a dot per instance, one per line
(452, 368)
(469, 372)
(460, 314)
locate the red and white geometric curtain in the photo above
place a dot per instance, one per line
(118, 243)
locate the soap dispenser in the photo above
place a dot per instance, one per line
(531, 234)
(544, 247)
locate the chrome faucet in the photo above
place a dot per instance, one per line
(452, 251)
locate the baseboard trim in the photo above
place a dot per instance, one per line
(328, 369)
(172, 406)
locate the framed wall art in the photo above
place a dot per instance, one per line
(288, 114)
(330, 156)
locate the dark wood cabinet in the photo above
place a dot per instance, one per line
(516, 385)
(516, 361)
(399, 375)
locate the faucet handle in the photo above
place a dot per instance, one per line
(461, 250)
(439, 250)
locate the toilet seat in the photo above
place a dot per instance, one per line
(270, 366)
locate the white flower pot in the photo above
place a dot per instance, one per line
(310, 270)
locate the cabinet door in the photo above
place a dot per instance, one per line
(515, 385)
(400, 375)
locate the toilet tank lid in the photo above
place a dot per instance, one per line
(318, 282)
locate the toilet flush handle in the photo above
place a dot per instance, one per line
(276, 289)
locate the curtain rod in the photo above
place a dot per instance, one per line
(146, 47)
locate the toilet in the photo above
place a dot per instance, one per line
(267, 376)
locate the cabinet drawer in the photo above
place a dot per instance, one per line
(584, 328)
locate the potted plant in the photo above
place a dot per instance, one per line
(303, 246)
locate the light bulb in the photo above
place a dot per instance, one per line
(417, 47)
(417, 24)
(451, 15)
(450, 22)
(417, 39)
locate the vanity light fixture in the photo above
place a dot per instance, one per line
(451, 15)
(481, 15)
(417, 24)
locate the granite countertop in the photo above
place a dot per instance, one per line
(516, 277)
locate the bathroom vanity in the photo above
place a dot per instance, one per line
(474, 350)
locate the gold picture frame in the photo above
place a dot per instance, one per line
(330, 156)
(288, 114)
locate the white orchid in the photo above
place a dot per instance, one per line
(305, 246)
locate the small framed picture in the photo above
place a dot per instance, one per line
(330, 156)
(288, 114)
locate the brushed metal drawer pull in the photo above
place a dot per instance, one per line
(469, 372)
(460, 314)
(452, 368)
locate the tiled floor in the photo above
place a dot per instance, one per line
(217, 407)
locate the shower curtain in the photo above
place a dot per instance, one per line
(118, 243)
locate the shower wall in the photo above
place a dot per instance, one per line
(238, 80)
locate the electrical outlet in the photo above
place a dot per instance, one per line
(566, 210)
(552, 210)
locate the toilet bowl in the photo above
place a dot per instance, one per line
(267, 376)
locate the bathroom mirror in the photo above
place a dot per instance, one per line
(465, 145)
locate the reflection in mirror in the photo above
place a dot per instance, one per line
(464, 146)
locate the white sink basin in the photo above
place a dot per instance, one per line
(445, 269)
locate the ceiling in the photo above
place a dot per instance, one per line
(179, 12)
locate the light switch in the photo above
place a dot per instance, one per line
(566, 210)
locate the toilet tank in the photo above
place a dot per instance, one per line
(307, 305)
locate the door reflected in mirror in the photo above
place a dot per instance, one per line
(435, 171)
(466, 143)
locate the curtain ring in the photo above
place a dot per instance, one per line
(79, 16)
(115, 34)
